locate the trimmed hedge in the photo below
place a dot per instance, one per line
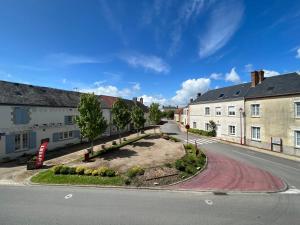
(203, 132)
(134, 171)
(81, 170)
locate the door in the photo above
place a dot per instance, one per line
(218, 130)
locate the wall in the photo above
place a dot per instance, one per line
(197, 114)
(277, 119)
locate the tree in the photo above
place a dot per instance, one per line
(90, 120)
(155, 114)
(120, 115)
(170, 114)
(137, 117)
(213, 127)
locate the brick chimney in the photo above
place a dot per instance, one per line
(141, 100)
(254, 78)
(261, 76)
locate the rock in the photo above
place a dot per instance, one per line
(155, 183)
(198, 168)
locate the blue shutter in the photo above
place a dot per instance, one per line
(55, 137)
(32, 140)
(66, 120)
(21, 115)
(76, 133)
(9, 143)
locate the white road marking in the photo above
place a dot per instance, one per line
(68, 196)
(291, 191)
(201, 141)
(209, 202)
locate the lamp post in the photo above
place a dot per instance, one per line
(241, 125)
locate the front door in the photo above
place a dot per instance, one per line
(218, 130)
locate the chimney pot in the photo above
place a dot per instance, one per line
(141, 100)
(254, 78)
(261, 76)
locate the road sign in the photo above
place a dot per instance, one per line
(187, 126)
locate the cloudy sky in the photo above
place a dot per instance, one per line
(164, 50)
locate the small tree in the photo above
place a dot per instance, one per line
(137, 117)
(170, 114)
(120, 115)
(155, 114)
(213, 127)
(90, 120)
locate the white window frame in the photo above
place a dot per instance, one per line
(255, 110)
(255, 138)
(205, 112)
(231, 111)
(20, 145)
(297, 114)
(230, 129)
(194, 125)
(218, 111)
(296, 133)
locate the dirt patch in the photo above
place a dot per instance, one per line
(148, 152)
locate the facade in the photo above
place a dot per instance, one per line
(224, 106)
(178, 115)
(30, 115)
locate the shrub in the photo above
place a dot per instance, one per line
(127, 181)
(190, 169)
(134, 171)
(80, 170)
(72, 170)
(110, 173)
(179, 164)
(64, 170)
(56, 169)
(169, 165)
(95, 173)
(88, 172)
(102, 171)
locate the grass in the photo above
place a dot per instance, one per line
(48, 177)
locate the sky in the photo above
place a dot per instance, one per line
(165, 51)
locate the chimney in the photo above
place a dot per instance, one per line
(191, 100)
(261, 76)
(141, 100)
(198, 95)
(134, 99)
(254, 78)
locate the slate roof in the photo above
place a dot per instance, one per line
(285, 84)
(24, 94)
(224, 94)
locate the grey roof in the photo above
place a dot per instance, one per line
(23, 94)
(286, 84)
(224, 94)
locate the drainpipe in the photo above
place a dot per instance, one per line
(241, 126)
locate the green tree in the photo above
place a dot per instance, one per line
(137, 117)
(120, 115)
(170, 114)
(90, 120)
(155, 114)
(213, 127)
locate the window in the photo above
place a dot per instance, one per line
(221, 95)
(17, 141)
(237, 93)
(66, 135)
(297, 109)
(60, 136)
(297, 139)
(231, 130)
(218, 111)
(255, 110)
(69, 120)
(194, 125)
(25, 141)
(207, 128)
(207, 111)
(255, 133)
(70, 134)
(231, 110)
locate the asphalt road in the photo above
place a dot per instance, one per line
(36, 205)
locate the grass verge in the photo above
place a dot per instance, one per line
(48, 177)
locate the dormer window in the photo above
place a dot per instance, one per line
(237, 93)
(221, 95)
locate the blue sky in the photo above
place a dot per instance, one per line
(166, 51)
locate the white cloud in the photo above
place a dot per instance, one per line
(271, 73)
(189, 89)
(99, 82)
(136, 87)
(233, 76)
(65, 59)
(64, 80)
(148, 62)
(298, 53)
(223, 23)
(148, 99)
(216, 76)
(249, 68)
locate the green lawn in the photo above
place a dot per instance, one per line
(48, 177)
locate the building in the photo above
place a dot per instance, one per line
(224, 106)
(31, 115)
(178, 115)
(169, 108)
(273, 112)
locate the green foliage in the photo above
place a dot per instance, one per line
(106, 172)
(56, 169)
(213, 128)
(72, 170)
(90, 121)
(127, 181)
(80, 170)
(88, 172)
(64, 170)
(134, 171)
(120, 115)
(155, 113)
(110, 173)
(137, 117)
(95, 173)
(170, 114)
(203, 132)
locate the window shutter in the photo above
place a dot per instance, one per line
(55, 137)
(76, 133)
(9, 143)
(21, 115)
(32, 140)
(66, 120)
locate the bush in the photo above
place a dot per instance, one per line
(56, 169)
(190, 169)
(64, 170)
(72, 170)
(95, 173)
(88, 172)
(179, 164)
(134, 171)
(203, 132)
(102, 171)
(127, 181)
(80, 170)
(110, 173)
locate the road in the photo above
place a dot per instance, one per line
(35, 205)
